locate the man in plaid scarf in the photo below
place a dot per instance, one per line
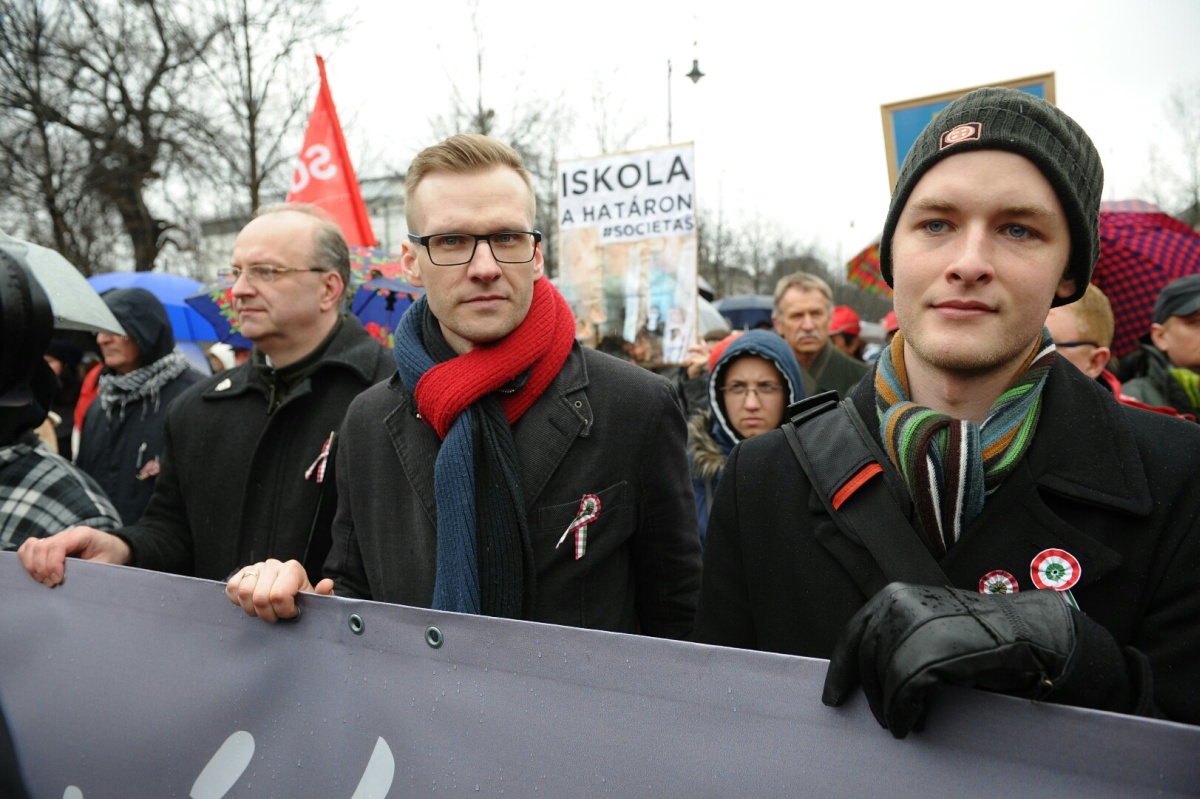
(40, 492)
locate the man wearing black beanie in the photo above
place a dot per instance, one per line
(1000, 522)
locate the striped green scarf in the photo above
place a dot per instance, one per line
(951, 465)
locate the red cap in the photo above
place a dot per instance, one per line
(718, 350)
(890, 325)
(845, 320)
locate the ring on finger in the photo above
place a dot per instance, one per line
(246, 574)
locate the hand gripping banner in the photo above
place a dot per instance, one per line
(122, 682)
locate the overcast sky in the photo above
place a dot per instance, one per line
(786, 121)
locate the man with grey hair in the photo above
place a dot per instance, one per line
(803, 311)
(247, 469)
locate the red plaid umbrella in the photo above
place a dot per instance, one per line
(1141, 250)
(863, 271)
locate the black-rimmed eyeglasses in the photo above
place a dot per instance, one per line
(1066, 345)
(456, 249)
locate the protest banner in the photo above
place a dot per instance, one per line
(324, 175)
(627, 249)
(123, 682)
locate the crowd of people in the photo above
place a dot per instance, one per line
(970, 508)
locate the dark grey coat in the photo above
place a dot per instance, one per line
(232, 489)
(603, 427)
(1117, 487)
(834, 370)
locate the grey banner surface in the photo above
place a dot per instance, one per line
(122, 682)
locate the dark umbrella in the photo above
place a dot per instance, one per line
(744, 311)
(1141, 250)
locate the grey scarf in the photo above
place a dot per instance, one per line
(140, 384)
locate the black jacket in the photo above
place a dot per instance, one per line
(1115, 486)
(233, 488)
(119, 448)
(603, 427)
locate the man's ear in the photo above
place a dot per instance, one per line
(775, 324)
(1098, 361)
(1158, 336)
(539, 261)
(333, 290)
(409, 264)
(1066, 288)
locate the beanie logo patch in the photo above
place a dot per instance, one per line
(968, 131)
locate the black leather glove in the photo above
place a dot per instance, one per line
(908, 638)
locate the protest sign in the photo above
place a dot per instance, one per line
(904, 121)
(627, 249)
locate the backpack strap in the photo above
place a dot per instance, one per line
(856, 483)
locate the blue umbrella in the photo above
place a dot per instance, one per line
(171, 290)
(380, 302)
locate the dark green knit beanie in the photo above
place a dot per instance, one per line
(1012, 120)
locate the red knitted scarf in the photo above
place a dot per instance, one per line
(542, 341)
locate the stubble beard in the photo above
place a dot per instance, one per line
(962, 359)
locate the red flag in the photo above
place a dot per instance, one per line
(324, 175)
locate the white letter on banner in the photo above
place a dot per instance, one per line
(316, 162)
(377, 777)
(225, 767)
(319, 164)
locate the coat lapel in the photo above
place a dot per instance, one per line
(543, 435)
(1014, 527)
(416, 446)
(1084, 448)
(1083, 451)
(548, 429)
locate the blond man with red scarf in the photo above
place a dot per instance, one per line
(504, 471)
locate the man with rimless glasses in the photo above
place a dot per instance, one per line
(504, 471)
(247, 466)
(1082, 332)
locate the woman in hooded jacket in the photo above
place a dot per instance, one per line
(752, 378)
(123, 431)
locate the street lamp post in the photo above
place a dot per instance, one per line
(670, 140)
(695, 75)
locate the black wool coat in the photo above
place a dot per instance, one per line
(602, 427)
(233, 488)
(1117, 487)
